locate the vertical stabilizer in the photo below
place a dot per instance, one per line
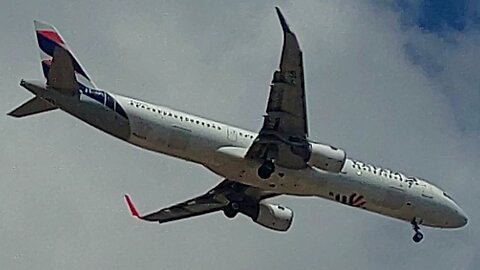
(49, 42)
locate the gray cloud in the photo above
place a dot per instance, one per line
(63, 181)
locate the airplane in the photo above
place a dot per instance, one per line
(280, 159)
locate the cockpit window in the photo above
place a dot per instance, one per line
(448, 196)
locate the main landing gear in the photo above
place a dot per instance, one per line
(266, 170)
(231, 210)
(418, 236)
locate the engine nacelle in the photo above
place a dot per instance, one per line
(327, 158)
(274, 216)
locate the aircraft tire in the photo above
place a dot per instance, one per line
(417, 237)
(230, 211)
(266, 170)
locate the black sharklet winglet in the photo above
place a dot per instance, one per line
(283, 22)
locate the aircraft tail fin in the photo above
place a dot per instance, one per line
(33, 106)
(52, 45)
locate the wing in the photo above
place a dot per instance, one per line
(283, 137)
(214, 200)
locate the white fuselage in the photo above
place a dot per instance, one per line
(221, 148)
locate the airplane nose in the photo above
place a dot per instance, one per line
(464, 219)
(460, 219)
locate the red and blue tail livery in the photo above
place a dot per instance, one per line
(48, 38)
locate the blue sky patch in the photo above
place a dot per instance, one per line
(440, 16)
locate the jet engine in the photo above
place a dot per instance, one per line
(326, 157)
(274, 216)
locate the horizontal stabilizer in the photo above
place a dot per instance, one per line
(33, 106)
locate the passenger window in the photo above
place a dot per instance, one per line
(153, 110)
(175, 116)
(208, 125)
(191, 120)
(170, 114)
(198, 122)
(186, 118)
(219, 128)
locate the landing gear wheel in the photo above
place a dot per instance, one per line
(231, 210)
(266, 170)
(417, 237)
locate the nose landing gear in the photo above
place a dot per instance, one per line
(266, 170)
(418, 236)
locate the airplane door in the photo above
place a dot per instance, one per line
(232, 135)
(140, 129)
(429, 194)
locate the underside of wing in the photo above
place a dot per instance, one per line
(216, 199)
(195, 207)
(286, 107)
(283, 137)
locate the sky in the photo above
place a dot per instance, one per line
(394, 83)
